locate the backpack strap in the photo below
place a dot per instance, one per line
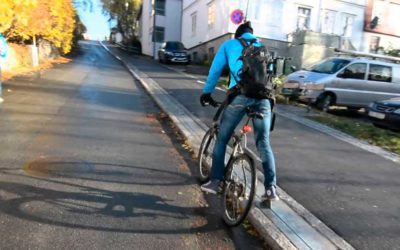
(243, 42)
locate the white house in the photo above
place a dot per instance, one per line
(381, 27)
(207, 23)
(159, 21)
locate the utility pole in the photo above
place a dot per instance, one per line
(154, 28)
(126, 19)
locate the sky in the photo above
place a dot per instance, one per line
(96, 22)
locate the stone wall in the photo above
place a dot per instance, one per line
(21, 55)
(308, 48)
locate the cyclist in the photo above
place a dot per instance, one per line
(229, 55)
(3, 54)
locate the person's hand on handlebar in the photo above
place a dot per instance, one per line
(206, 99)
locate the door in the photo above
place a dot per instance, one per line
(349, 85)
(381, 83)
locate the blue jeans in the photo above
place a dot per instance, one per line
(231, 117)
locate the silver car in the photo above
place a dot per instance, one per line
(345, 81)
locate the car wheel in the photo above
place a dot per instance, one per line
(324, 102)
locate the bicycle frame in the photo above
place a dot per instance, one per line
(240, 140)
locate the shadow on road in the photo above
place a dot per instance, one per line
(95, 208)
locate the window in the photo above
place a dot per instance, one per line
(303, 18)
(347, 21)
(195, 57)
(328, 22)
(380, 73)
(211, 15)
(374, 44)
(160, 7)
(159, 35)
(355, 71)
(211, 53)
(194, 23)
(330, 66)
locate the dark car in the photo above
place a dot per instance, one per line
(385, 114)
(173, 52)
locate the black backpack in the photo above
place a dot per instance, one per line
(256, 78)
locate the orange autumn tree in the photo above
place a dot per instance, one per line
(52, 20)
(13, 12)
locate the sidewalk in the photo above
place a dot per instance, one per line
(287, 225)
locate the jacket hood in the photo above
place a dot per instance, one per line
(249, 36)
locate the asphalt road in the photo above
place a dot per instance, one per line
(87, 163)
(354, 192)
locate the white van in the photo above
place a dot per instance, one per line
(346, 81)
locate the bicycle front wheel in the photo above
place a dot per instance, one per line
(239, 189)
(205, 154)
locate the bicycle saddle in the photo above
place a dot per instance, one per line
(253, 114)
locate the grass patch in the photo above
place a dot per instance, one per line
(362, 130)
(223, 83)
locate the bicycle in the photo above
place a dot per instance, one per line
(240, 180)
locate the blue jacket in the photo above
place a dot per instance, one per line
(228, 54)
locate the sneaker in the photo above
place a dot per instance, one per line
(270, 194)
(211, 187)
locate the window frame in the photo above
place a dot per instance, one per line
(344, 28)
(341, 73)
(389, 80)
(326, 27)
(156, 32)
(194, 23)
(211, 14)
(160, 10)
(308, 18)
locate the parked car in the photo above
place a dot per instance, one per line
(173, 52)
(346, 81)
(385, 114)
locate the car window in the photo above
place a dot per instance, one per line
(330, 66)
(380, 73)
(175, 46)
(355, 71)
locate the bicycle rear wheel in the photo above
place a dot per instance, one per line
(239, 189)
(205, 154)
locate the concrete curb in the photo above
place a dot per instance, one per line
(277, 226)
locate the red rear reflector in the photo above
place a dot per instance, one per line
(246, 129)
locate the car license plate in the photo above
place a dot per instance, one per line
(291, 85)
(287, 91)
(376, 115)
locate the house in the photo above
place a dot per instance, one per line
(159, 21)
(206, 24)
(380, 26)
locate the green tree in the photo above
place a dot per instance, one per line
(125, 12)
